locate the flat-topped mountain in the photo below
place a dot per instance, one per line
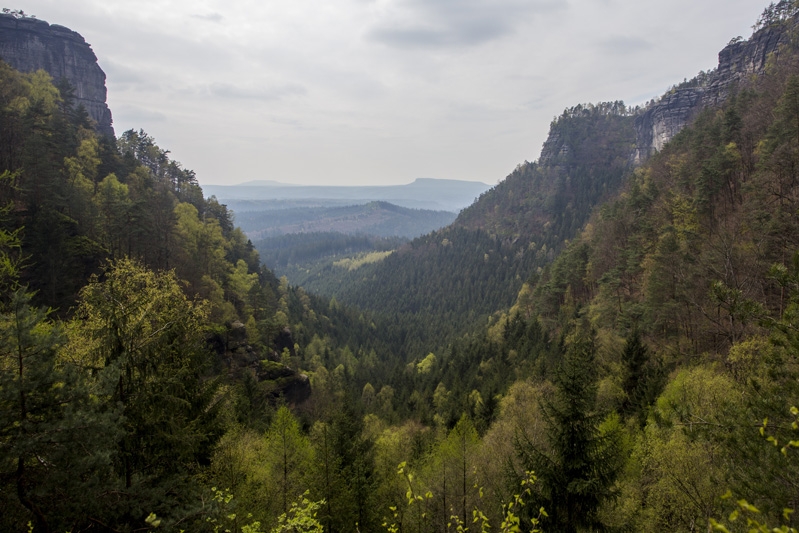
(29, 44)
(423, 193)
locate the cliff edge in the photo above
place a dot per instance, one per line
(740, 60)
(29, 44)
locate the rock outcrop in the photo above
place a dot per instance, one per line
(739, 61)
(29, 44)
(276, 380)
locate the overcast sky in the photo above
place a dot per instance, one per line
(381, 91)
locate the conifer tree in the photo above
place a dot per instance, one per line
(54, 439)
(635, 356)
(142, 335)
(577, 472)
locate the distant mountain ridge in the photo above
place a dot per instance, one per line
(375, 218)
(422, 193)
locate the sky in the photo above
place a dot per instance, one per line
(381, 92)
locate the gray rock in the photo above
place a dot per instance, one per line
(29, 44)
(739, 61)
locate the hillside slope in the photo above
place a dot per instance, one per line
(452, 279)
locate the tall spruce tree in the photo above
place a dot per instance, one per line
(577, 472)
(636, 382)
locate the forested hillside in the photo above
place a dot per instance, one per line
(380, 219)
(592, 347)
(138, 327)
(318, 261)
(450, 281)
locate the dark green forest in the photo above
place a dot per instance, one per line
(592, 346)
(380, 219)
(319, 261)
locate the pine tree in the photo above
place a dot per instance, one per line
(577, 473)
(635, 357)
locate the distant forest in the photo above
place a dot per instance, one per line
(380, 219)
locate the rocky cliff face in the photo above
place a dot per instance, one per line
(28, 44)
(738, 61)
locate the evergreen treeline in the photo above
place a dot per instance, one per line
(305, 248)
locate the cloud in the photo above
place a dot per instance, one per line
(432, 37)
(448, 23)
(137, 115)
(124, 75)
(625, 45)
(275, 92)
(210, 17)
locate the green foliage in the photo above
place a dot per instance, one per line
(301, 518)
(578, 472)
(354, 263)
(119, 416)
(776, 13)
(511, 521)
(53, 435)
(145, 338)
(682, 464)
(744, 509)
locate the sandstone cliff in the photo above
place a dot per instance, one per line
(739, 60)
(29, 44)
(657, 122)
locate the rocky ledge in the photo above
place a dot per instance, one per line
(739, 61)
(276, 380)
(29, 44)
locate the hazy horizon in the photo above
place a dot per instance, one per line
(357, 92)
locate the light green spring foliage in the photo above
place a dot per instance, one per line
(426, 365)
(511, 522)
(520, 416)
(748, 512)
(201, 258)
(223, 516)
(265, 471)
(10, 248)
(354, 263)
(681, 467)
(301, 518)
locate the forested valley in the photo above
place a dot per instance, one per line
(594, 345)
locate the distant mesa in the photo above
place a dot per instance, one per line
(262, 183)
(29, 44)
(423, 193)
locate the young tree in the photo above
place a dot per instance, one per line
(452, 472)
(290, 456)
